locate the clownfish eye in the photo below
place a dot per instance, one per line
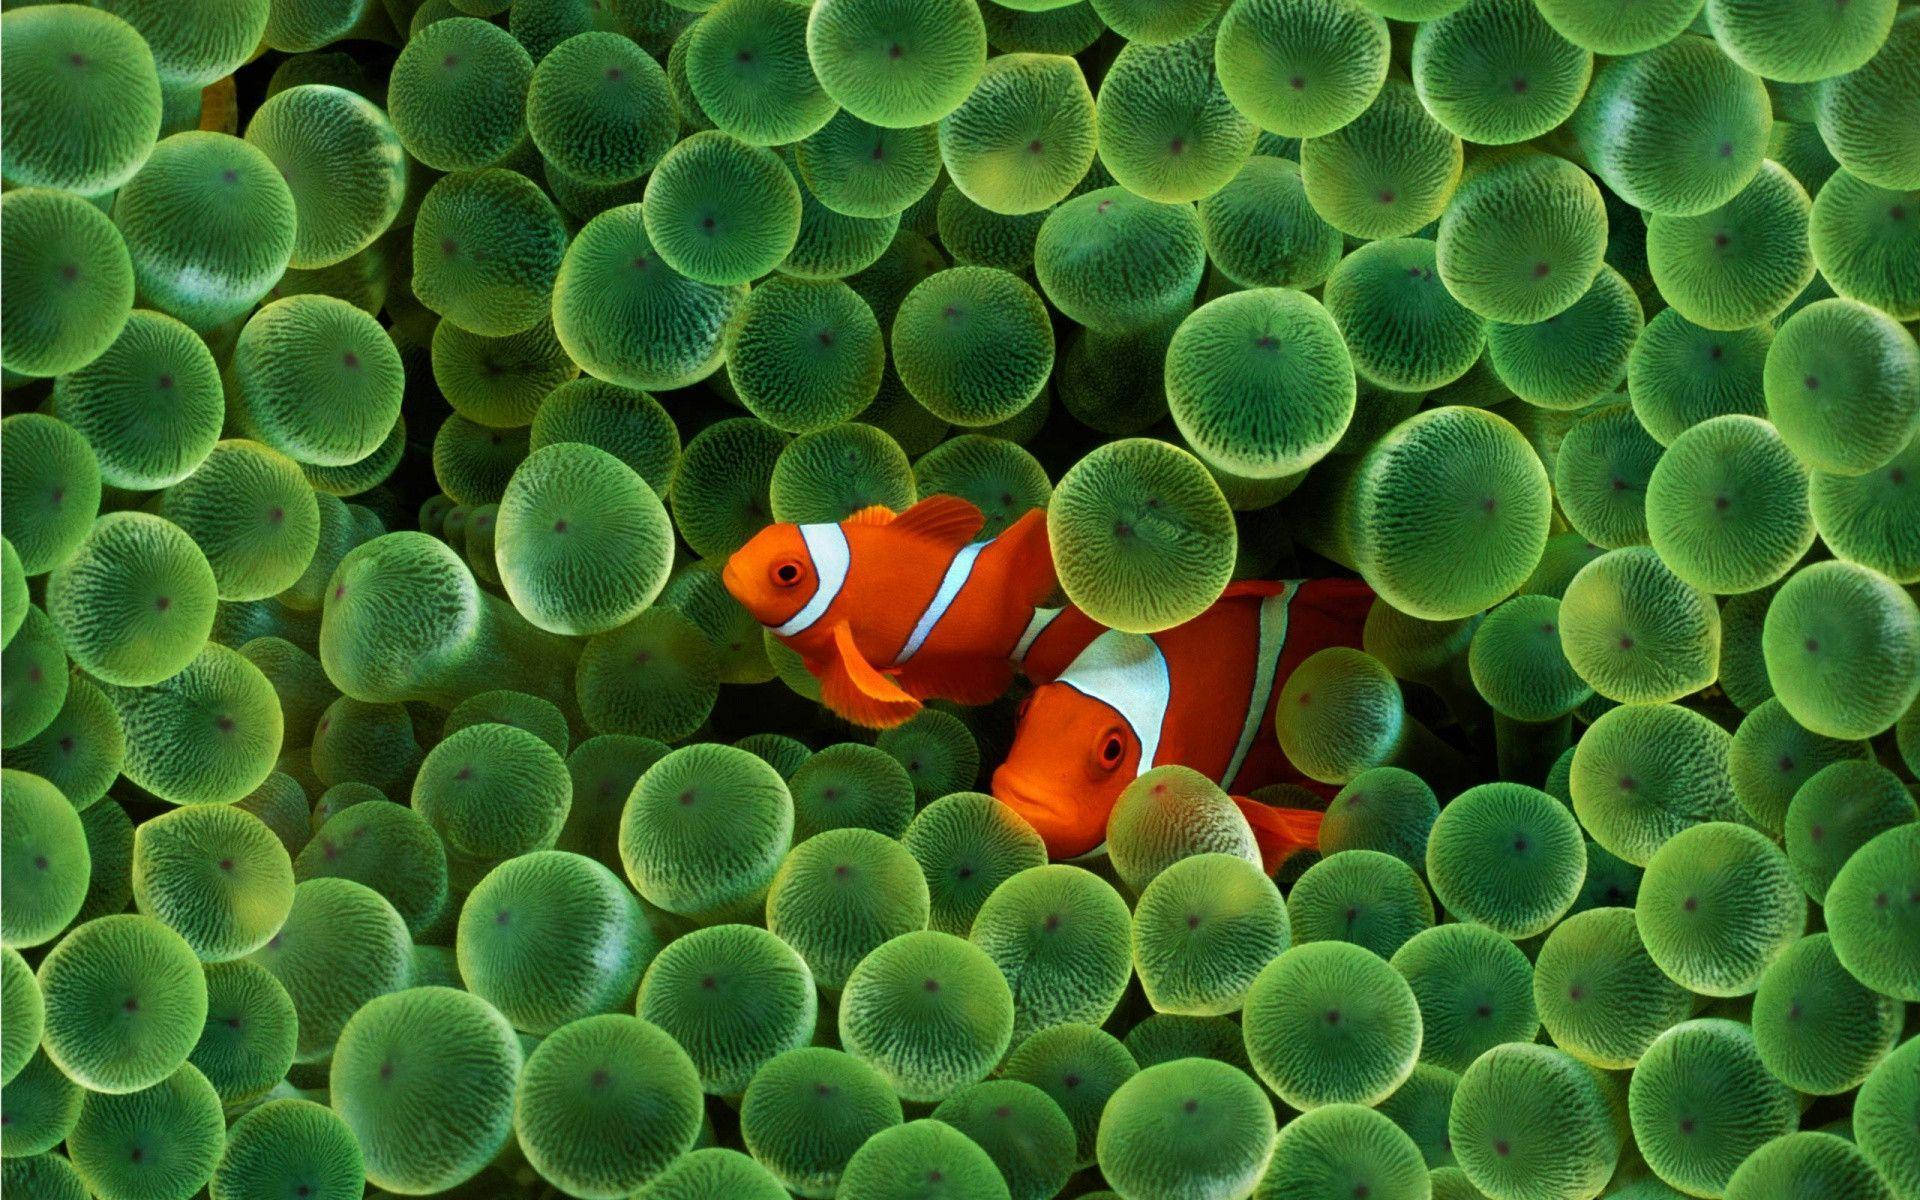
(1111, 749)
(785, 574)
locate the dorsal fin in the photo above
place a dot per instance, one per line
(944, 520)
(873, 514)
(1032, 558)
(1254, 587)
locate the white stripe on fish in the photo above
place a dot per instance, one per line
(958, 572)
(1128, 673)
(827, 547)
(1273, 637)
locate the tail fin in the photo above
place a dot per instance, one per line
(1031, 564)
(1280, 831)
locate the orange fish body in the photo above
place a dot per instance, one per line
(1200, 695)
(887, 611)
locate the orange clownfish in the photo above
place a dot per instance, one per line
(887, 611)
(1200, 695)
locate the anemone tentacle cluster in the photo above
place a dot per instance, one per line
(536, 536)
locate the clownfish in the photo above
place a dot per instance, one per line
(888, 610)
(1114, 705)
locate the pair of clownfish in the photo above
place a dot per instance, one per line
(947, 617)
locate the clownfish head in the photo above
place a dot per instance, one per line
(1072, 756)
(775, 576)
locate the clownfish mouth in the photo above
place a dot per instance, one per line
(734, 580)
(1061, 824)
(730, 576)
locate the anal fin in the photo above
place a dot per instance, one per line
(1280, 831)
(850, 686)
(967, 681)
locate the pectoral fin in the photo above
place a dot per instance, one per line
(1280, 831)
(850, 686)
